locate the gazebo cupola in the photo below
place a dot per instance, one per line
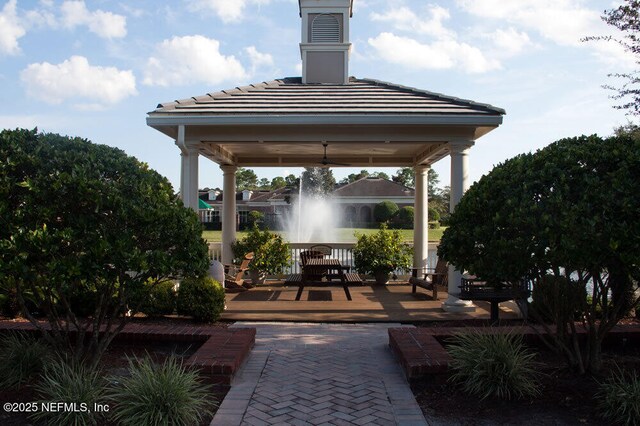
(325, 41)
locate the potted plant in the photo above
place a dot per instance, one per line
(271, 253)
(381, 253)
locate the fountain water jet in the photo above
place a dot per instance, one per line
(313, 218)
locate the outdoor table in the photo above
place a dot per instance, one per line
(326, 267)
(473, 288)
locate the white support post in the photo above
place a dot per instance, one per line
(420, 217)
(459, 184)
(228, 212)
(188, 172)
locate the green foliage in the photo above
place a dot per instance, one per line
(569, 209)
(557, 299)
(202, 298)
(76, 385)
(271, 252)
(318, 181)
(404, 218)
(618, 398)
(488, 364)
(384, 211)
(256, 218)
(246, 179)
(278, 182)
(160, 298)
(79, 216)
(382, 252)
(23, 358)
(433, 214)
(166, 395)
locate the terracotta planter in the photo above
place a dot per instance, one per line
(382, 277)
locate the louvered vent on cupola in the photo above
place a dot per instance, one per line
(325, 28)
(325, 41)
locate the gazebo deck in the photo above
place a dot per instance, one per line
(274, 301)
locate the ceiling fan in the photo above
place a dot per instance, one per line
(325, 160)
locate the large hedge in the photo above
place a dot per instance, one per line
(384, 211)
(570, 210)
(77, 215)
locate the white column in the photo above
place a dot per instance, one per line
(228, 212)
(459, 184)
(420, 217)
(188, 171)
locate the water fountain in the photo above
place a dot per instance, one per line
(313, 218)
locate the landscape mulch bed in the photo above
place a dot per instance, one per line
(115, 362)
(567, 398)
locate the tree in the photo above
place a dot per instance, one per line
(626, 18)
(264, 184)
(384, 211)
(569, 211)
(85, 220)
(246, 179)
(318, 181)
(354, 177)
(278, 182)
(405, 176)
(292, 181)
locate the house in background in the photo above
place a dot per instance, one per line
(356, 201)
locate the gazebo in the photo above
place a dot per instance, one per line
(359, 122)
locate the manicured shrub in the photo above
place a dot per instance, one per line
(434, 215)
(384, 211)
(493, 364)
(160, 299)
(618, 399)
(404, 218)
(22, 359)
(166, 395)
(76, 385)
(201, 298)
(557, 299)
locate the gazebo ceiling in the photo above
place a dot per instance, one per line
(365, 123)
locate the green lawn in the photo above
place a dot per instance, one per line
(345, 235)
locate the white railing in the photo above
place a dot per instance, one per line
(340, 251)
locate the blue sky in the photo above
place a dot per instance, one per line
(95, 68)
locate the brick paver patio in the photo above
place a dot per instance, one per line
(320, 374)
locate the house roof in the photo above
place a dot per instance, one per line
(288, 96)
(373, 187)
(284, 123)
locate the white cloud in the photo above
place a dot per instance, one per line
(191, 59)
(10, 29)
(258, 59)
(563, 21)
(104, 24)
(510, 42)
(403, 18)
(227, 10)
(76, 78)
(441, 54)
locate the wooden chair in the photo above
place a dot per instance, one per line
(431, 280)
(311, 254)
(234, 283)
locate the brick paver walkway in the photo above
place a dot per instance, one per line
(320, 374)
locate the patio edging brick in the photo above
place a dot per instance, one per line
(222, 352)
(421, 355)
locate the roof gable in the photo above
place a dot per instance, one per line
(373, 187)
